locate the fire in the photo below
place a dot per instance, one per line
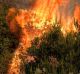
(46, 12)
(22, 17)
(33, 22)
(77, 13)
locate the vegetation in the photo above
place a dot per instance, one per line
(55, 53)
(8, 41)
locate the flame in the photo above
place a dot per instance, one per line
(77, 13)
(45, 12)
(33, 22)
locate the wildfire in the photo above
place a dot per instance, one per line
(77, 13)
(33, 22)
(45, 13)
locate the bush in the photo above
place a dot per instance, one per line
(55, 53)
(8, 42)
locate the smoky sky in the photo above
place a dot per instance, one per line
(78, 1)
(28, 3)
(71, 6)
(18, 3)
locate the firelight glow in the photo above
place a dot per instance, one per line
(37, 20)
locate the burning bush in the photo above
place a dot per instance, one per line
(55, 53)
(30, 23)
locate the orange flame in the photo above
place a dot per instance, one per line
(45, 11)
(40, 18)
(77, 13)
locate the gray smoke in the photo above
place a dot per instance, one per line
(29, 3)
(18, 3)
(69, 9)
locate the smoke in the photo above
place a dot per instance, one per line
(23, 4)
(78, 1)
(68, 6)
(28, 3)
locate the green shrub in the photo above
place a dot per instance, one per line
(55, 53)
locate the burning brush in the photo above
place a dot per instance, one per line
(37, 20)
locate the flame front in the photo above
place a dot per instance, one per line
(33, 22)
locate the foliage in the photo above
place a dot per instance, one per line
(55, 53)
(8, 42)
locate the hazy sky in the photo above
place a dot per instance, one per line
(27, 3)
(78, 1)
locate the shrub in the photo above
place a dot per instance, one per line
(55, 53)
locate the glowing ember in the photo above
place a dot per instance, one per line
(36, 21)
